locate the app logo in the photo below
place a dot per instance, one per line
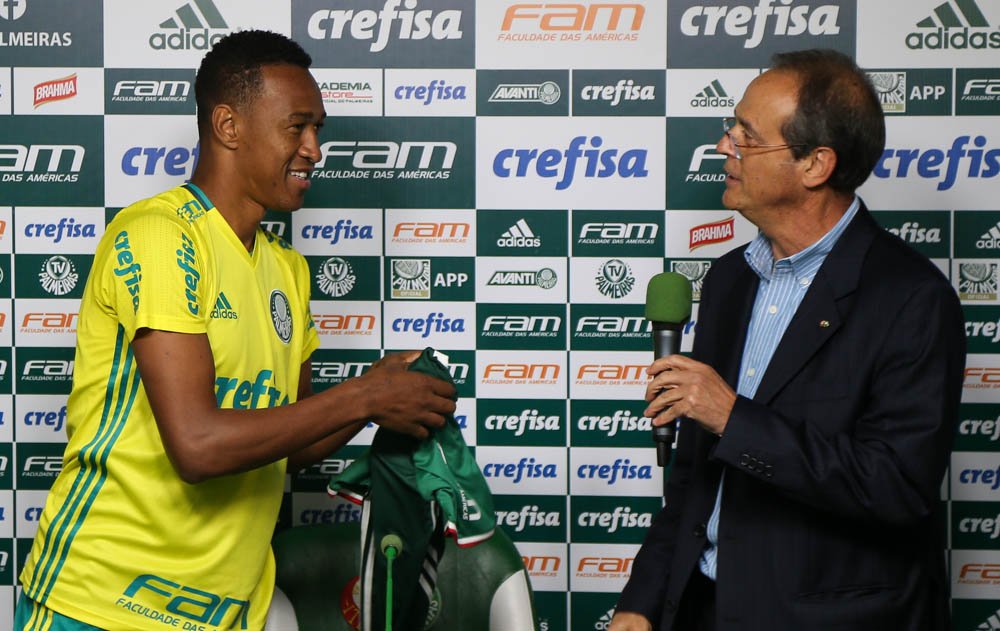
(977, 280)
(194, 26)
(891, 90)
(336, 277)
(955, 25)
(713, 95)
(544, 278)
(766, 19)
(426, 94)
(614, 279)
(223, 309)
(711, 233)
(13, 9)
(58, 275)
(391, 21)
(55, 90)
(546, 93)
(411, 278)
(519, 235)
(561, 165)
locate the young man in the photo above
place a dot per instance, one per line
(191, 393)
(820, 402)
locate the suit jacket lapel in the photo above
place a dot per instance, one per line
(824, 307)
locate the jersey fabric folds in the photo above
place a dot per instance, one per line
(123, 542)
(420, 491)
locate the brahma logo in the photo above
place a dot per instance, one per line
(524, 374)
(981, 162)
(561, 164)
(752, 24)
(604, 567)
(195, 26)
(948, 29)
(620, 517)
(343, 229)
(529, 516)
(612, 375)
(711, 233)
(55, 90)
(344, 324)
(430, 232)
(16, 160)
(593, 21)
(378, 26)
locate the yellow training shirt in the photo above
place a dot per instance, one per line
(123, 542)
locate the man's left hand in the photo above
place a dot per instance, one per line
(682, 386)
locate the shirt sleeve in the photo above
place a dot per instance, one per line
(157, 276)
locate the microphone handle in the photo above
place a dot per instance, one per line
(666, 341)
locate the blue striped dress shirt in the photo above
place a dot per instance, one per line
(783, 285)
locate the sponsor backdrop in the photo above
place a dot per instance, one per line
(498, 180)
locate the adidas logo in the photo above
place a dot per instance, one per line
(224, 309)
(713, 95)
(992, 623)
(954, 25)
(519, 236)
(990, 239)
(190, 28)
(604, 622)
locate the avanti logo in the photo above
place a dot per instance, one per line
(562, 164)
(546, 93)
(544, 278)
(187, 30)
(377, 26)
(752, 24)
(623, 90)
(981, 162)
(426, 94)
(948, 29)
(519, 235)
(713, 95)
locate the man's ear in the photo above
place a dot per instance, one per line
(224, 126)
(818, 166)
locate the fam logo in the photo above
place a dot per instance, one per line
(344, 229)
(695, 172)
(611, 375)
(563, 22)
(345, 324)
(618, 233)
(195, 25)
(521, 374)
(770, 18)
(604, 567)
(54, 90)
(982, 378)
(336, 277)
(149, 91)
(978, 161)
(978, 91)
(49, 322)
(693, 270)
(523, 326)
(546, 93)
(386, 160)
(410, 279)
(41, 162)
(954, 25)
(396, 20)
(614, 279)
(977, 281)
(980, 574)
(561, 165)
(431, 233)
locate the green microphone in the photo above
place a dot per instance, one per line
(668, 309)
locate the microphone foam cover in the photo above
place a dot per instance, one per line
(668, 298)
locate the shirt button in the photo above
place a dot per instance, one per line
(751, 372)
(804, 282)
(773, 309)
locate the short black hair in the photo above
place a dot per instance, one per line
(837, 108)
(231, 72)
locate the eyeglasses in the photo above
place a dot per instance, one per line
(729, 123)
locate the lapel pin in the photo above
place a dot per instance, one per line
(824, 324)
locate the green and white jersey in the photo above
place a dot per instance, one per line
(123, 542)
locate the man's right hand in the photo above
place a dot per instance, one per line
(629, 621)
(404, 400)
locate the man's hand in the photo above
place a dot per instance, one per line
(405, 401)
(684, 387)
(628, 621)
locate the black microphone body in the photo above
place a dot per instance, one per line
(666, 341)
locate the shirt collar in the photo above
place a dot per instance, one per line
(804, 264)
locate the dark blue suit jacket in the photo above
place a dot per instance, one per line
(831, 513)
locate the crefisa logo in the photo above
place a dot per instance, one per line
(954, 25)
(769, 18)
(398, 19)
(561, 165)
(196, 25)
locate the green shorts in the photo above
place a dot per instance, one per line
(30, 616)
